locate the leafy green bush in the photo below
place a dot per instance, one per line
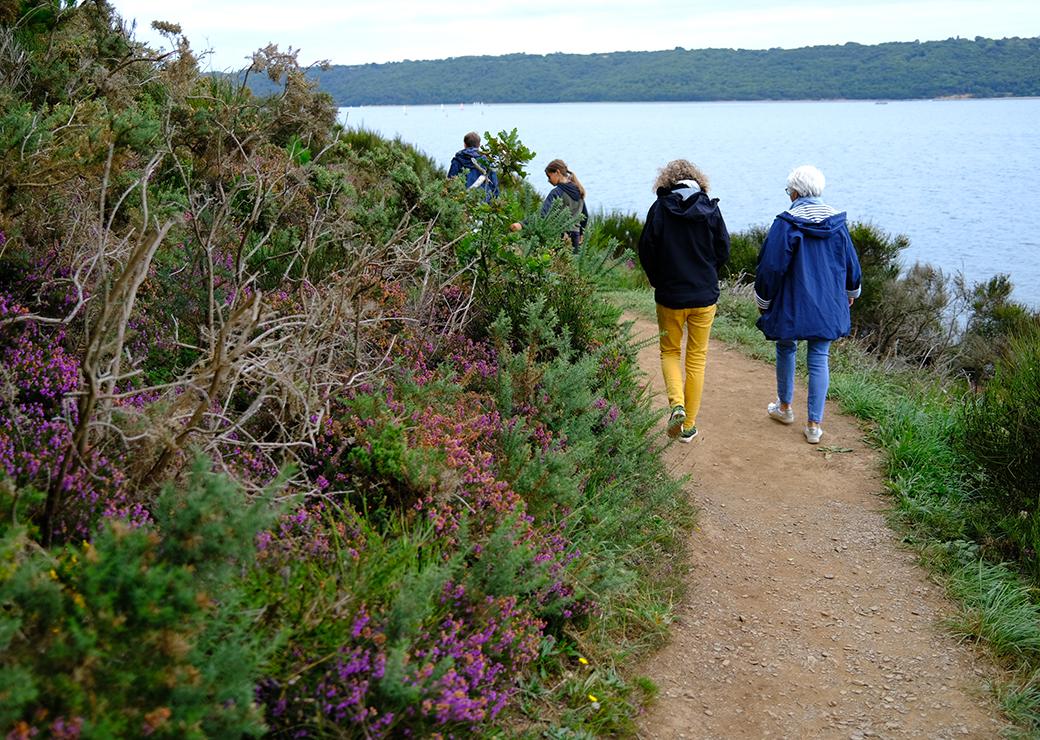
(743, 254)
(141, 631)
(994, 320)
(1000, 434)
(616, 233)
(879, 259)
(509, 157)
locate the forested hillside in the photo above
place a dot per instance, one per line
(980, 67)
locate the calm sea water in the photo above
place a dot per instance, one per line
(960, 178)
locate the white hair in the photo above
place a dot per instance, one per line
(806, 181)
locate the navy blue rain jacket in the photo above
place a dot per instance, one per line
(476, 166)
(683, 246)
(568, 192)
(806, 273)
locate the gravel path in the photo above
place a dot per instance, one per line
(805, 618)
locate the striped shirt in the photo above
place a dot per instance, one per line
(811, 209)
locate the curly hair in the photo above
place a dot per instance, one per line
(680, 169)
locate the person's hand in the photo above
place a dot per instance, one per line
(516, 226)
(851, 301)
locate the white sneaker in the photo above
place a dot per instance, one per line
(775, 412)
(813, 434)
(675, 421)
(688, 435)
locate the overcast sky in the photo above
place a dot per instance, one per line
(362, 31)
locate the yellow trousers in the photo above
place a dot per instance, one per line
(685, 390)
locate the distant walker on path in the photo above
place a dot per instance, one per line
(568, 190)
(808, 275)
(475, 165)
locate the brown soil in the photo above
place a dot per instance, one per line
(805, 617)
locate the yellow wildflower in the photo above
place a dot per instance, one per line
(593, 699)
(582, 661)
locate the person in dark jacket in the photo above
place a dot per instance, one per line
(567, 189)
(808, 275)
(475, 165)
(683, 245)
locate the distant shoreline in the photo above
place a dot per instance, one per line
(456, 103)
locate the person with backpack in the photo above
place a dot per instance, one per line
(567, 188)
(475, 165)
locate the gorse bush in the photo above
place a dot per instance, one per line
(141, 630)
(615, 232)
(537, 265)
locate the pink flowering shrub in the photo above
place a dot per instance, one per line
(38, 378)
(456, 673)
(440, 651)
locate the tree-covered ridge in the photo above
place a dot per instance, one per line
(980, 68)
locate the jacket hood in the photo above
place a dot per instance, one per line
(818, 229)
(687, 202)
(570, 189)
(464, 156)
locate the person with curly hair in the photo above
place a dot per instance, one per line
(683, 246)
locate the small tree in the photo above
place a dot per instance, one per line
(508, 156)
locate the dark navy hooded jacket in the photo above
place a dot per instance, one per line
(475, 165)
(683, 246)
(570, 195)
(807, 271)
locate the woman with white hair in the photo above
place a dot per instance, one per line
(808, 275)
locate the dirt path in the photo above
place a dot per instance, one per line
(805, 618)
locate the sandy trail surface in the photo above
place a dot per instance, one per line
(805, 617)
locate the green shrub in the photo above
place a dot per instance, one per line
(616, 233)
(878, 254)
(140, 632)
(743, 254)
(537, 266)
(912, 321)
(1000, 434)
(994, 320)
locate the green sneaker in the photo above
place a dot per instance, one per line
(687, 435)
(675, 421)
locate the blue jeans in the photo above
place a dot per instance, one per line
(817, 356)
